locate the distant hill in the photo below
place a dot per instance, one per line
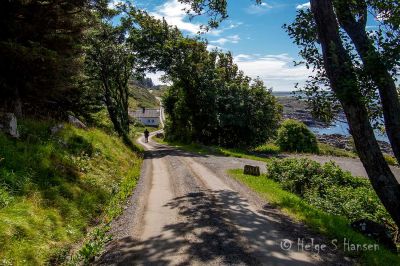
(141, 97)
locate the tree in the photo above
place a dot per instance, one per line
(340, 71)
(352, 17)
(210, 100)
(110, 65)
(40, 54)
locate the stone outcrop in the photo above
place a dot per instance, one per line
(76, 122)
(9, 125)
(346, 142)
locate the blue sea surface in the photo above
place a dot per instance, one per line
(342, 128)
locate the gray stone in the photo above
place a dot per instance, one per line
(252, 170)
(57, 128)
(76, 122)
(9, 125)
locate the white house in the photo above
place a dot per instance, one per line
(148, 116)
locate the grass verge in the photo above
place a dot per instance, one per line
(334, 227)
(57, 189)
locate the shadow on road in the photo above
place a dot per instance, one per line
(207, 235)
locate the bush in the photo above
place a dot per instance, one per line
(329, 188)
(390, 159)
(268, 148)
(295, 136)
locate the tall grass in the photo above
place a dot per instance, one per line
(53, 188)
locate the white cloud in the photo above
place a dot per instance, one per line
(258, 8)
(228, 39)
(211, 47)
(114, 4)
(304, 6)
(156, 77)
(175, 14)
(277, 71)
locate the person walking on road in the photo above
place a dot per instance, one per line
(146, 135)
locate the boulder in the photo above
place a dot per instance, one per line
(9, 125)
(76, 122)
(57, 128)
(252, 170)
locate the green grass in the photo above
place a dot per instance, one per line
(55, 189)
(261, 153)
(202, 149)
(141, 97)
(390, 160)
(334, 227)
(325, 149)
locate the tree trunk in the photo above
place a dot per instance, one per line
(343, 81)
(376, 70)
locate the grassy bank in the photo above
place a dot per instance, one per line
(54, 189)
(332, 226)
(261, 153)
(264, 152)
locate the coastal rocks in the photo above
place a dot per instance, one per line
(347, 143)
(298, 110)
(8, 124)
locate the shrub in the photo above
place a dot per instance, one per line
(329, 188)
(295, 136)
(268, 148)
(390, 159)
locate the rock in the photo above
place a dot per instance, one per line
(9, 125)
(57, 128)
(160, 135)
(251, 170)
(76, 122)
(376, 231)
(346, 142)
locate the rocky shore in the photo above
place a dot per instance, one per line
(296, 109)
(347, 143)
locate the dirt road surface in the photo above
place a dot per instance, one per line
(187, 211)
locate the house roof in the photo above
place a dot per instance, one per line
(145, 113)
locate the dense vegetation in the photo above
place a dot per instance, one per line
(54, 185)
(295, 136)
(333, 226)
(40, 53)
(228, 110)
(216, 103)
(329, 188)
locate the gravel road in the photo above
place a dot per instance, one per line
(187, 211)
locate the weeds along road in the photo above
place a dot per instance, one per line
(187, 211)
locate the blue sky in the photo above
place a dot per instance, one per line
(253, 33)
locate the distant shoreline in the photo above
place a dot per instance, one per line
(336, 134)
